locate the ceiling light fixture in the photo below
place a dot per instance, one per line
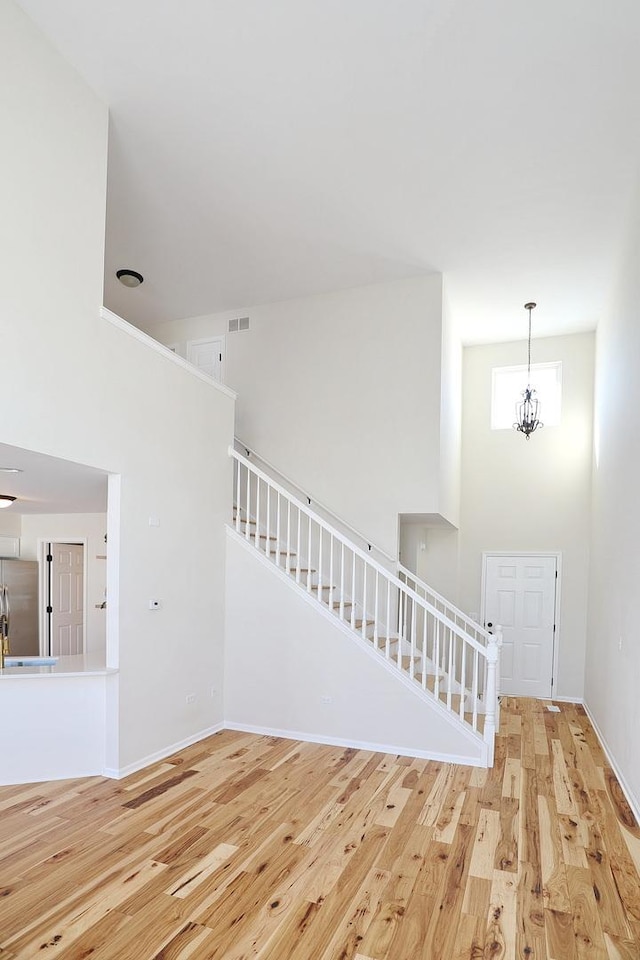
(527, 408)
(130, 278)
(5, 500)
(11, 470)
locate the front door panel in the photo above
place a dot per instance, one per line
(520, 597)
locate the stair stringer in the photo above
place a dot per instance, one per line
(285, 652)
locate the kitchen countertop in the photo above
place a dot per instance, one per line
(80, 665)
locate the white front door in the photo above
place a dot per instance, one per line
(520, 596)
(207, 355)
(67, 599)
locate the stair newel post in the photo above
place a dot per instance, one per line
(498, 635)
(474, 691)
(491, 694)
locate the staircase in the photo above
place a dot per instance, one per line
(414, 631)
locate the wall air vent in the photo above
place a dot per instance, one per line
(238, 323)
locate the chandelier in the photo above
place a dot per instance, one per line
(527, 408)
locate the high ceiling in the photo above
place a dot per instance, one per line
(267, 149)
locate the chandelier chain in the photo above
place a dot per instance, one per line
(527, 408)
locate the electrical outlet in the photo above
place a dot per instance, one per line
(191, 698)
(326, 699)
(620, 643)
(213, 691)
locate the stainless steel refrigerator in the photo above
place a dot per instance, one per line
(19, 603)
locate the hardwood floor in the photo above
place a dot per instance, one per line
(245, 846)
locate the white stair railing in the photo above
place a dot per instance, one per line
(319, 508)
(454, 662)
(443, 605)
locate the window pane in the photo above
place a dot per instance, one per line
(508, 384)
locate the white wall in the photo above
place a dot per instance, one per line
(78, 387)
(282, 657)
(613, 651)
(70, 527)
(450, 417)
(342, 393)
(52, 729)
(438, 563)
(534, 494)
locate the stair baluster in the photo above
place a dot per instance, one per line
(449, 657)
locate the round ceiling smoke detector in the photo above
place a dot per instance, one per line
(130, 278)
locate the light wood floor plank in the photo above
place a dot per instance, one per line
(242, 847)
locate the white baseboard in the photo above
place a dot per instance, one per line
(353, 744)
(626, 789)
(118, 774)
(567, 700)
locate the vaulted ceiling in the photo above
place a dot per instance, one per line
(267, 149)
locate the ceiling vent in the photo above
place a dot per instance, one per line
(238, 323)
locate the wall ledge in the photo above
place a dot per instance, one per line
(160, 348)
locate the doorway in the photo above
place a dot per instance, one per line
(207, 355)
(520, 593)
(64, 598)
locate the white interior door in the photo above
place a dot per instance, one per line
(207, 355)
(520, 595)
(67, 599)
